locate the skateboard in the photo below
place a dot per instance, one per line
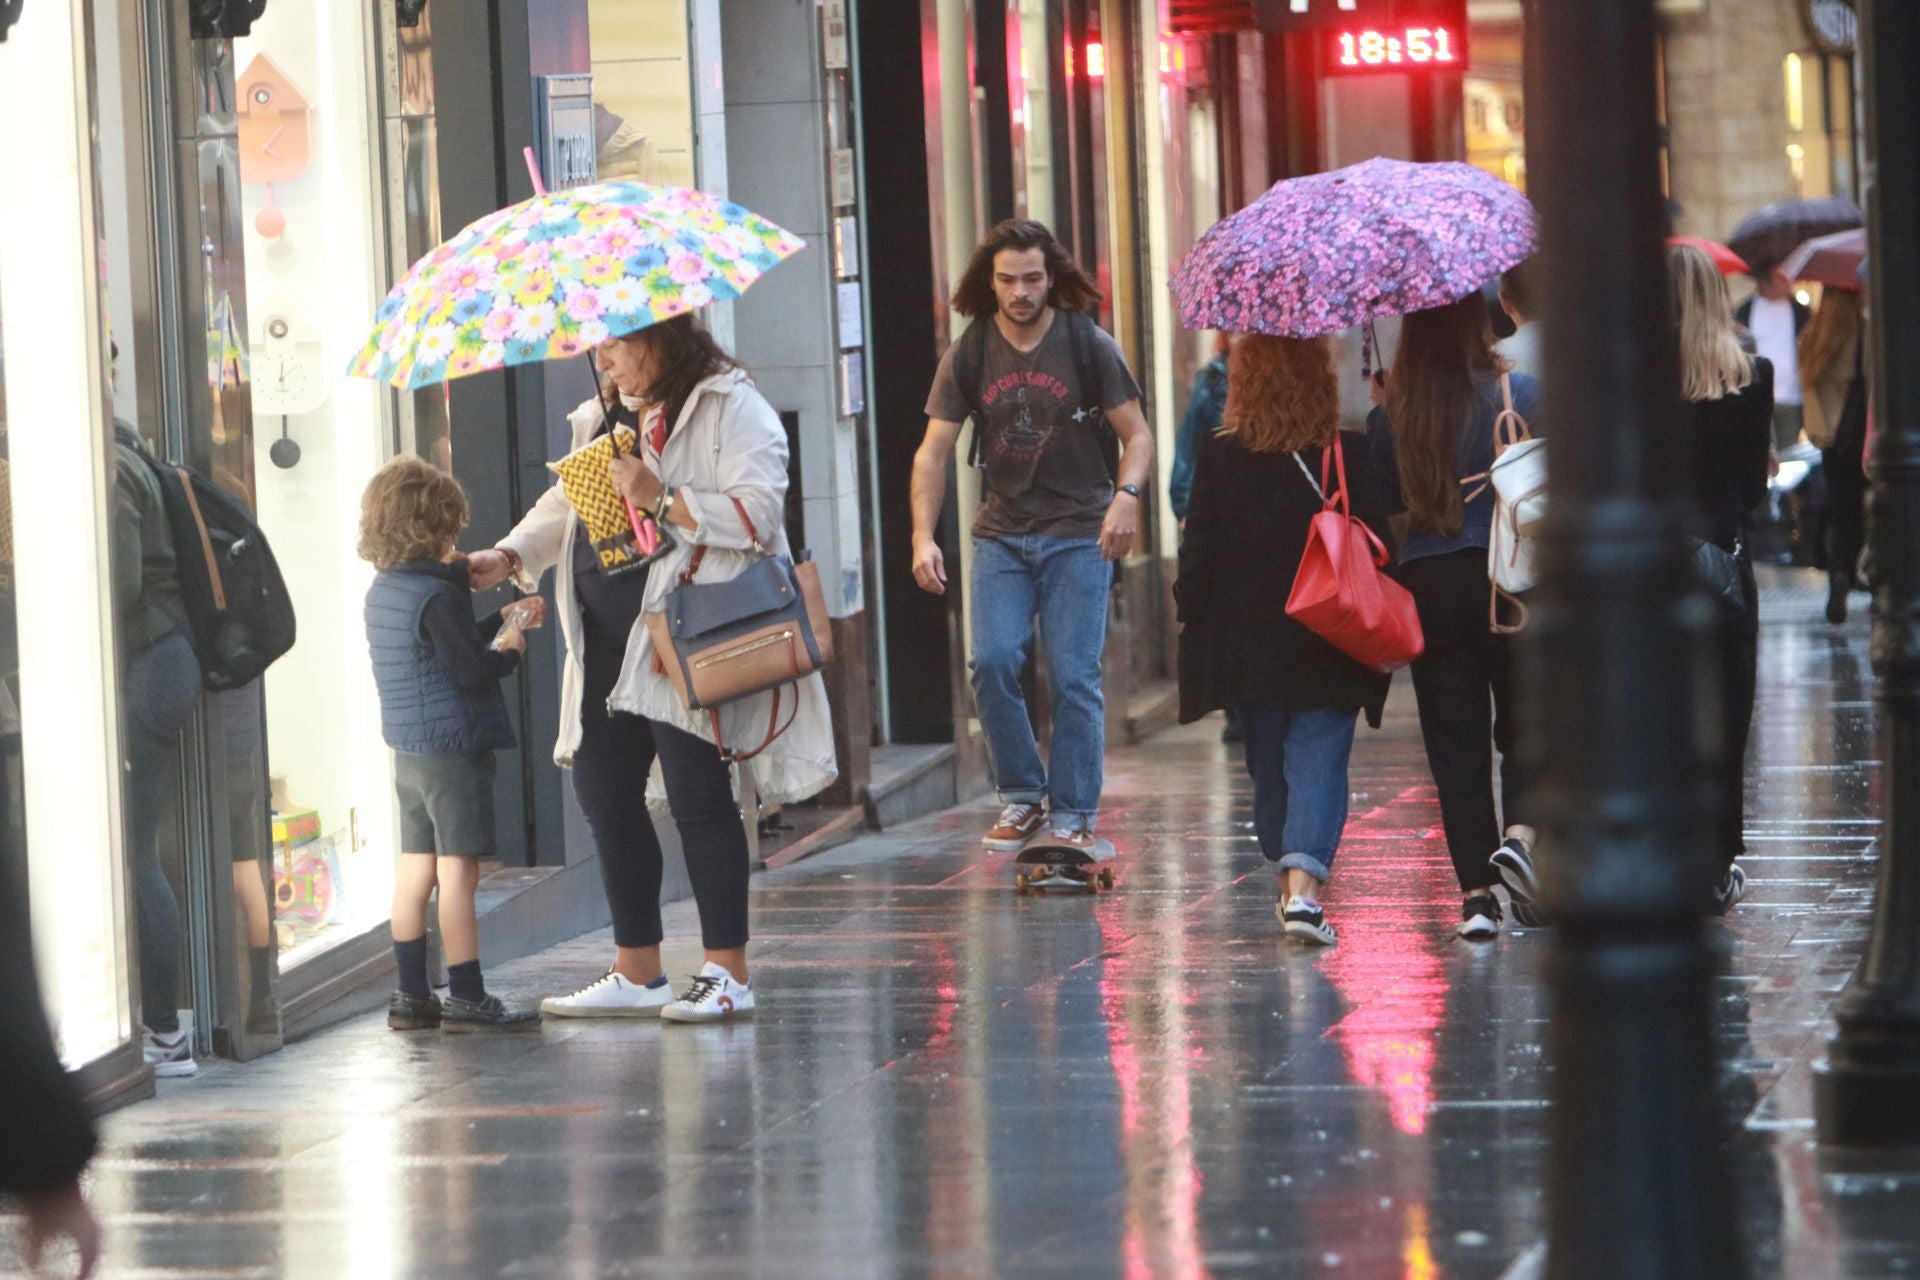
(1043, 865)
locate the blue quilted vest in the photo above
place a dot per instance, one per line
(422, 710)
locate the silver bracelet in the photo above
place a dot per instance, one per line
(666, 507)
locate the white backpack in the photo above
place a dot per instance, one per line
(1518, 478)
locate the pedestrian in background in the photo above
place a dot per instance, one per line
(1255, 492)
(1726, 424)
(1432, 443)
(1205, 405)
(1519, 299)
(1052, 403)
(438, 673)
(1831, 354)
(160, 684)
(1776, 318)
(711, 467)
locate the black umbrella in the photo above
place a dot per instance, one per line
(1765, 238)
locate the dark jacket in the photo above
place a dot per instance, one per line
(1205, 407)
(1801, 314)
(1473, 457)
(439, 684)
(1728, 442)
(1246, 532)
(45, 1133)
(146, 573)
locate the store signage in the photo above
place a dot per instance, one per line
(1360, 50)
(563, 119)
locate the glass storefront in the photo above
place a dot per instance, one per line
(314, 251)
(1495, 115)
(643, 91)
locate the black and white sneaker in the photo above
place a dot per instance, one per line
(1479, 917)
(1305, 920)
(1513, 860)
(1731, 890)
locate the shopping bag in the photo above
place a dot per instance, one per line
(612, 524)
(1341, 592)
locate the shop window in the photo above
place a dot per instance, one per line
(1820, 134)
(311, 229)
(1495, 103)
(643, 91)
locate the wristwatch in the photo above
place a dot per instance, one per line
(1131, 490)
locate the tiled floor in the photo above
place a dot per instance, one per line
(946, 1080)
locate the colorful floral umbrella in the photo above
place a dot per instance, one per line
(1333, 250)
(554, 276)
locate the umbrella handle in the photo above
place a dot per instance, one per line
(533, 171)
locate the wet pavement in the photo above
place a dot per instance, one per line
(947, 1080)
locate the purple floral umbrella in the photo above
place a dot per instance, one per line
(1334, 250)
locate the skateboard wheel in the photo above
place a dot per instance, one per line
(1020, 883)
(1106, 878)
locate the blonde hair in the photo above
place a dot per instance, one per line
(1712, 363)
(1282, 395)
(411, 510)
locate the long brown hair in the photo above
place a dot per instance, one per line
(1443, 353)
(1282, 395)
(1834, 328)
(1712, 363)
(1072, 289)
(683, 355)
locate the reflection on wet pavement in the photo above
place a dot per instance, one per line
(947, 1080)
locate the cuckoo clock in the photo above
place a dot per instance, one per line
(276, 135)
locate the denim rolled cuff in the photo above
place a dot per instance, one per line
(1067, 820)
(1023, 795)
(1306, 862)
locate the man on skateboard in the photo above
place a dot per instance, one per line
(1066, 451)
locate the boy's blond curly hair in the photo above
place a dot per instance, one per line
(411, 510)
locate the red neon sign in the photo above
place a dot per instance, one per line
(1357, 50)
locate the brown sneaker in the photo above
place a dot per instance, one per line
(1079, 841)
(1017, 825)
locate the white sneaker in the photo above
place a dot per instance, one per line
(610, 997)
(170, 1054)
(713, 996)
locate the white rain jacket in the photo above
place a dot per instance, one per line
(728, 444)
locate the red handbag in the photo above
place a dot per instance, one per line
(1340, 593)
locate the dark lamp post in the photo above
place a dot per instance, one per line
(1637, 1188)
(1868, 1090)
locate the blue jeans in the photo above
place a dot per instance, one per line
(1063, 582)
(1298, 762)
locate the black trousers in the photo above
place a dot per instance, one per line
(1740, 661)
(610, 771)
(1463, 685)
(1846, 512)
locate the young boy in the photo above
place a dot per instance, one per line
(442, 713)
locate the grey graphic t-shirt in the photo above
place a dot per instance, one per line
(1042, 440)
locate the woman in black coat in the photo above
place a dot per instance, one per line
(1255, 489)
(1726, 418)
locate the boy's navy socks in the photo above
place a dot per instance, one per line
(657, 983)
(463, 981)
(411, 959)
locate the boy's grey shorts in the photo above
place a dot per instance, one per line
(446, 803)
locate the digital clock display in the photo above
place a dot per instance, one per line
(1359, 50)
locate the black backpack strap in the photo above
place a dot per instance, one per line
(1080, 327)
(969, 363)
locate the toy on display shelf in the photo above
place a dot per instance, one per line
(306, 882)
